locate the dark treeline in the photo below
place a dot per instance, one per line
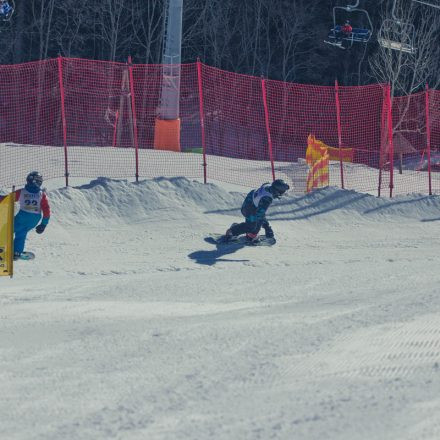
(280, 39)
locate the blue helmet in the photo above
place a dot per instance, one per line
(34, 179)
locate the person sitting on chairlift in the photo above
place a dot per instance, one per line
(343, 33)
(346, 29)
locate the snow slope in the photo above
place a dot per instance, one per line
(128, 325)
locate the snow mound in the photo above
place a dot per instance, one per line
(335, 203)
(104, 200)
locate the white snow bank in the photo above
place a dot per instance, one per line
(104, 200)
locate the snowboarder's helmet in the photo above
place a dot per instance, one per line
(34, 179)
(278, 188)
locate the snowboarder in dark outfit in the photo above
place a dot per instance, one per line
(254, 210)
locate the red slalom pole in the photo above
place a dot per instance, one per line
(428, 139)
(390, 139)
(63, 118)
(202, 116)
(133, 111)
(338, 117)
(266, 117)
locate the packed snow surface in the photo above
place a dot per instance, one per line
(129, 325)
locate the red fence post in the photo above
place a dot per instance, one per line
(202, 116)
(338, 117)
(266, 117)
(63, 117)
(133, 111)
(390, 139)
(428, 139)
(383, 138)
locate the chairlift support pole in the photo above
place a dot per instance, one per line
(167, 124)
(170, 93)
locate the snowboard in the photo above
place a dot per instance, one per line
(219, 239)
(26, 256)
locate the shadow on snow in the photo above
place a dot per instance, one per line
(325, 200)
(210, 258)
(317, 203)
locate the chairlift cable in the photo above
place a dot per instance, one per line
(427, 4)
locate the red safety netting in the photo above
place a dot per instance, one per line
(147, 81)
(410, 143)
(361, 111)
(30, 115)
(98, 118)
(434, 125)
(235, 127)
(296, 111)
(85, 118)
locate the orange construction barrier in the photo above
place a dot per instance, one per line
(167, 134)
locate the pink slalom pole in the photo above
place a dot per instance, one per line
(382, 138)
(133, 111)
(428, 139)
(266, 117)
(202, 116)
(338, 118)
(390, 140)
(63, 118)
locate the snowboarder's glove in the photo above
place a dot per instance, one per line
(269, 232)
(40, 228)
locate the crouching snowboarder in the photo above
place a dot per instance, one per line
(254, 210)
(33, 202)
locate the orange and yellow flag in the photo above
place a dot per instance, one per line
(317, 158)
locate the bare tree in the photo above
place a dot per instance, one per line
(114, 26)
(148, 28)
(42, 14)
(72, 26)
(407, 59)
(218, 29)
(294, 37)
(408, 69)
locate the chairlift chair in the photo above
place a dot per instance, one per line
(395, 34)
(336, 36)
(6, 9)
